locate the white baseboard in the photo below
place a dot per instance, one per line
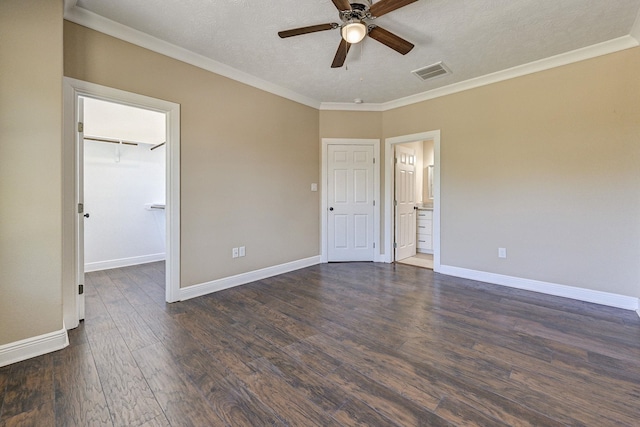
(580, 294)
(122, 262)
(32, 347)
(244, 278)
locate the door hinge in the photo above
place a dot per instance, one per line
(374, 160)
(80, 208)
(80, 127)
(395, 245)
(374, 245)
(80, 289)
(395, 203)
(374, 203)
(396, 159)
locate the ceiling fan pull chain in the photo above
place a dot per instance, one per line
(346, 59)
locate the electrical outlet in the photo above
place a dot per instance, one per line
(241, 251)
(234, 253)
(502, 252)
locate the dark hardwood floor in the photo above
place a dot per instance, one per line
(334, 344)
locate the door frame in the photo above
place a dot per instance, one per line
(389, 186)
(323, 193)
(72, 90)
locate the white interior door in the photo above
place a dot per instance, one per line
(80, 210)
(405, 202)
(350, 200)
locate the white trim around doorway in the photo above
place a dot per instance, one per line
(72, 90)
(377, 257)
(389, 182)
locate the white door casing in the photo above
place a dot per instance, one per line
(73, 90)
(80, 205)
(405, 202)
(350, 200)
(389, 185)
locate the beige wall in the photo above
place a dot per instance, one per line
(546, 165)
(30, 168)
(248, 157)
(350, 124)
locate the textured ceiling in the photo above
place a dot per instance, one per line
(472, 37)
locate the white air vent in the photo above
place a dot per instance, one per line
(432, 71)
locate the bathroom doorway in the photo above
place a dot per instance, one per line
(413, 203)
(426, 200)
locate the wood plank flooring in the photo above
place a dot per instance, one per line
(332, 345)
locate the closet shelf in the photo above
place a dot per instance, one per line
(120, 141)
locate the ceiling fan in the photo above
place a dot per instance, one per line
(357, 18)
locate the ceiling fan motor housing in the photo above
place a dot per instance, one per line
(361, 3)
(359, 11)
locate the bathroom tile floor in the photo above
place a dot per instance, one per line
(419, 260)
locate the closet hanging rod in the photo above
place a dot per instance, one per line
(157, 146)
(111, 140)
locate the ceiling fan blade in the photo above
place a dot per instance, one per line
(385, 6)
(341, 54)
(394, 42)
(342, 4)
(307, 30)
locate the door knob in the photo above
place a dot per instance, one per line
(86, 215)
(330, 209)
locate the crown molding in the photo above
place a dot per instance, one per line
(350, 106)
(96, 22)
(611, 46)
(68, 5)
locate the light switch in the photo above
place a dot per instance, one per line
(314, 187)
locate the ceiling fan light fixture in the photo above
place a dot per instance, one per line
(354, 31)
